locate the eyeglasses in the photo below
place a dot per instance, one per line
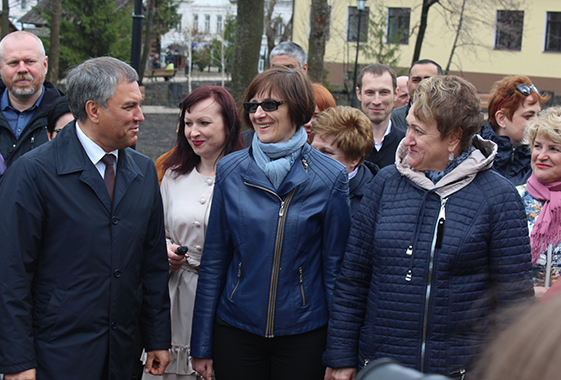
(267, 106)
(524, 89)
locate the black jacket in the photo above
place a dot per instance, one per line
(359, 183)
(34, 133)
(510, 162)
(399, 115)
(386, 155)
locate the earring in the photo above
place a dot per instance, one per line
(450, 156)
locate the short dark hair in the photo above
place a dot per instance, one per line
(427, 62)
(183, 159)
(452, 102)
(377, 69)
(58, 108)
(293, 87)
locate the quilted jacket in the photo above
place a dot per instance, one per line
(426, 265)
(512, 163)
(271, 257)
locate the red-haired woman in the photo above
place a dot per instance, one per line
(209, 128)
(514, 102)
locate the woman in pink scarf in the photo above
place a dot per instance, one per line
(542, 196)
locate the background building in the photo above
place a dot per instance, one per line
(486, 39)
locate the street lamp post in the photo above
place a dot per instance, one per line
(360, 5)
(136, 41)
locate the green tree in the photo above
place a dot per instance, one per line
(92, 28)
(202, 58)
(380, 47)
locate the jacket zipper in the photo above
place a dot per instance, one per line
(269, 333)
(302, 287)
(239, 277)
(436, 243)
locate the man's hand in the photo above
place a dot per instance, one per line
(340, 373)
(156, 362)
(203, 367)
(24, 375)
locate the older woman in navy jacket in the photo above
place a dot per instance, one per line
(440, 243)
(277, 231)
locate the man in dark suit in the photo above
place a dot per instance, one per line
(83, 244)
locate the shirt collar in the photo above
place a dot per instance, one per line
(5, 101)
(94, 151)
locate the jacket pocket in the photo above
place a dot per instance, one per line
(302, 286)
(52, 313)
(238, 281)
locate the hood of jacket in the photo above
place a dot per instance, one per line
(480, 159)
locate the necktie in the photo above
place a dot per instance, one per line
(109, 177)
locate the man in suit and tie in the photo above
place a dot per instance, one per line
(83, 244)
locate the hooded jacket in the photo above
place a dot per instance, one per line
(271, 256)
(427, 264)
(512, 163)
(357, 185)
(34, 133)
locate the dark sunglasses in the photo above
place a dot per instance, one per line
(524, 89)
(267, 106)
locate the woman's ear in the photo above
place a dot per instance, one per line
(454, 139)
(500, 117)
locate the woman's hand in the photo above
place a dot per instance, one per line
(203, 366)
(175, 261)
(340, 373)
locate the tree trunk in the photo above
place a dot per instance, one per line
(319, 30)
(458, 31)
(5, 17)
(270, 30)
(422, 28)
(147, 39)
(248, 45)
(54, 52)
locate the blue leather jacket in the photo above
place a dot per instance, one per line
(271, 256)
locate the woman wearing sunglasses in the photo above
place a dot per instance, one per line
(277, 232)
(514, 102)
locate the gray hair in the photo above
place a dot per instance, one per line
(291, 49)
(19, 35)
(95, 79)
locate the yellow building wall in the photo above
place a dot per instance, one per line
(478, 61)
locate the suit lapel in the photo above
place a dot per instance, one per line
(127, 171)
(72, 158)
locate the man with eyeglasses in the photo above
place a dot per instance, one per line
(514, 102)
(420, 70)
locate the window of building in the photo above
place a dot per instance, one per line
(207, 23)
(397, 26)
(352, 24)
(195, 21)
(508, 30)
(219, 24)
(553, 32)
(23, 4)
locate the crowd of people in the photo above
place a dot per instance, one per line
(317, 241)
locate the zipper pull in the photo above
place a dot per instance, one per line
(281, 211)
(301, 277)
(409, 275)
(305, 164)
(440, 232)
(409, 251)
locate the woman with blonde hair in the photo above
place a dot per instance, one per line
(542, 197)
